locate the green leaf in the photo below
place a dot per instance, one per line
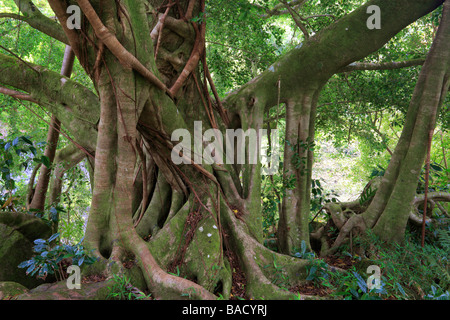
(312, 273)
(361, 283)
(354, 293)
(436, 167)
(30, 268)
(44, 270)
(39, 247)
(26, 140)
(46, 161)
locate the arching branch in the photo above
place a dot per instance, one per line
(292, 66)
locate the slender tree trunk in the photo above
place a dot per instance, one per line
(38, 200)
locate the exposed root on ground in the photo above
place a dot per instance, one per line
(348, 217)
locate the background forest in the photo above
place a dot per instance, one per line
(360, 117)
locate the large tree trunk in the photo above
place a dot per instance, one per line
(293, 227)
(65, 159)
(295, 80)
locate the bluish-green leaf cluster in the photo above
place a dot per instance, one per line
(49, 256)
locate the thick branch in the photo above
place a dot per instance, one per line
(38, 201)
(330, 50)
(432, 197)
(75, 105)
(435, 196)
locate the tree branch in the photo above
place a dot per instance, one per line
(294, 15)
(54, 129)
(12, 16)
(58, 94)
(17, 94)
(33, 17)
(192, 62)
(328, 52)
(73, 38)
(320, 16)
(382, 65)
(278, 10)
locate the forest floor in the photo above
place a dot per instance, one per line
(98, 287)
